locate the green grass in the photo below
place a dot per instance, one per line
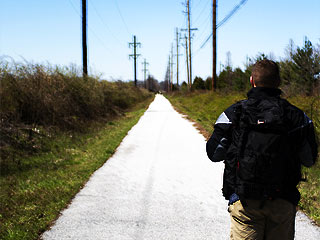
(205, 107)
(310, 192)
(32, 195)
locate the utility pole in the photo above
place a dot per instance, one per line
(169, 84)
(151, 82)
(189, 29)
(177, 39)
(187, 59)
(135, 56)
(145, 63)
(214, 44)
(169, 75)
(84, 39)
(171, 66)
(189, 33)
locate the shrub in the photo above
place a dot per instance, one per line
(37, 96)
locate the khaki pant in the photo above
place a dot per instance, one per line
(275, 220)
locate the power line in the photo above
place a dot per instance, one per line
(74, 8)
(205, 8)
(90, 29)
(104, 23)
(208, 18)
(225, 19)
(197, 6)
(101, 42)
(197, 40)
(233, 11)
(205, 29)
(126, 26)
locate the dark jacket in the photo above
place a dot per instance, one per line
(301, 147)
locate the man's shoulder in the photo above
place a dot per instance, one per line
(291, 109)
(291, 106)
(295, 115)
(230, 114)
(235, 107)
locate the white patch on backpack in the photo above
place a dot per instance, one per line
(223, 119)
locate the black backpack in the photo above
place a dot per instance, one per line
(265, 166)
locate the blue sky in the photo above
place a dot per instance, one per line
(50, 31)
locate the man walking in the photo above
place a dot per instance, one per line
(263, 141)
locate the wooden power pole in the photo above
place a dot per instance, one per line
(145, 63)
(135, 56)
(171, 86)
(177, 35)
(170, 74)
(187, 60)
(84, 38)
(189, 29)
(189, 35)
(214, 44)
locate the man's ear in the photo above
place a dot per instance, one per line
(251, 81)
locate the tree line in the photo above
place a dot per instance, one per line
(299, 71)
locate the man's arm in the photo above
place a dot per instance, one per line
(309, 150)
(304, 134)
(219, 141)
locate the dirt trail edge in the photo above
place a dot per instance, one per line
(158, 185)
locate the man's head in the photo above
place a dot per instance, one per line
(265, 73)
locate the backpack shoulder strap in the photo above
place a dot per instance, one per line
(243, 128)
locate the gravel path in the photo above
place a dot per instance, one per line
(159, 185)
